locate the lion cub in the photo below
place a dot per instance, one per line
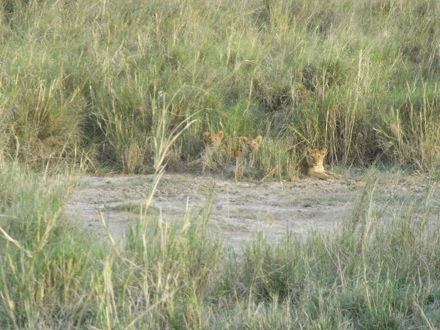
(213, 140)
(213, 144)
(247, 146)
(313, 164)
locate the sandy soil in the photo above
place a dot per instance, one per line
(239, 210)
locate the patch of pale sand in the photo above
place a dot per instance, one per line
(238, 210)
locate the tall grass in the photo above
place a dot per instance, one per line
(133, 84)
(45, 276)
(81, 80)
(378, 270)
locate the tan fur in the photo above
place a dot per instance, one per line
(213, 139)
(234, 152)
(313, 164)
(213, 143)
(244, 155)
(248, 145)
(213, 155)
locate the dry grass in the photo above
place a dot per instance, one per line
(86, 82)
(133, 85)
(378, 270)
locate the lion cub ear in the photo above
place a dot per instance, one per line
(242, 139)
(307, 150)
(206, 135)
(259, 139)
(323, 151)
(221, 134)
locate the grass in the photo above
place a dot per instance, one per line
(85, 82)
(378, 270)
(132, 85)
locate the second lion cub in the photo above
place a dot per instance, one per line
(313, 164)
(244, 155)
(249, 145)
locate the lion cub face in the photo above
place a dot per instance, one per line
(313, 164)
(250, 144)
(315, 157)
(213, 139)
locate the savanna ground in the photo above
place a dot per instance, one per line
(239, 210)
(89, 88)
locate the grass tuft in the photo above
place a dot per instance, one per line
(84, 82)
(378, 269)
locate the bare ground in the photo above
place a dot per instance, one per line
(240, 210)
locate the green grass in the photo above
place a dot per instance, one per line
(378, 270)
(83, 82)
(132, 86)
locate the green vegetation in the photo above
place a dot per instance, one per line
(132, 84)
(86, 82)
(379, 270)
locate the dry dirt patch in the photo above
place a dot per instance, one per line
(239, 210)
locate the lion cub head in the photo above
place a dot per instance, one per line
(315, 157)
(213, 139)
(312, 164)
(250, 144)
